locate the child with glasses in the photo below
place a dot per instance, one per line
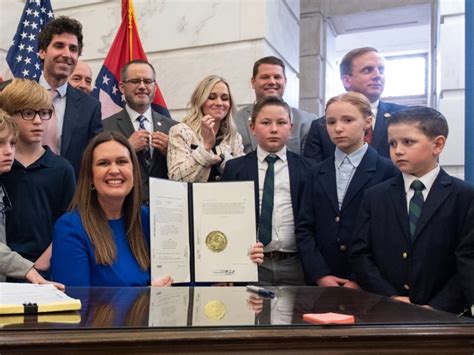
(40, 184)
(11, 263)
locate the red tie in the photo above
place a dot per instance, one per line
(51, 135)
(368, 135)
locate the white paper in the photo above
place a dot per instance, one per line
(170, 254)
(16, 294)
(168, 307)
(19, 293)
(222, 306)
(228, 208)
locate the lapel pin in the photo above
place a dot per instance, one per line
(387, 115)
(158, 123)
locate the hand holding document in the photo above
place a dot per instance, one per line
(202, 232)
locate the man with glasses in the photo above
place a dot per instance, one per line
(146, 129)
(77, 116)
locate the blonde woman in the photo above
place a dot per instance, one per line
(207, 138)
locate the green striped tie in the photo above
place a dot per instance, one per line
(416, 204)
(265, 224)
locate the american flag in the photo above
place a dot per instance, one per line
(125, 47)
(22, 57)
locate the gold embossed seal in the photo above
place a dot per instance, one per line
(216, 241)
(214, 310)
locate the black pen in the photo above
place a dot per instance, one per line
(261, 291)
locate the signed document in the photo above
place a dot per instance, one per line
(224, 231)
(169, 230)
(202, 232)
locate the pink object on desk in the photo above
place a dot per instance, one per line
(329, 318)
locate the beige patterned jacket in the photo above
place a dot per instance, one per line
(189, 161)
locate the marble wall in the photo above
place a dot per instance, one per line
(187, 39)
(451, 86)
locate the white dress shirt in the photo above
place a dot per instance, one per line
(136, 124)
(346, 166)
(374, 106)
(283, 223)
(59, 104)
(428, 180)
(134, 115)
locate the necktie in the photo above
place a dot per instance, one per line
(265, 225)
(345, 171)
(369, 135)
(146, 151)
(50, 137)
(416, 204)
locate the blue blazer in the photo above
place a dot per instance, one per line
(245, 168)
(384, 259)
(323, 232)
(319, 146)
(82, 121)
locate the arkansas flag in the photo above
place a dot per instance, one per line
(126, 47)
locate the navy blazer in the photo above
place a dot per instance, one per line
(82, 121)
(323, 232)
(122, 123)
(245, 168)
(384, 259)
(319, 146)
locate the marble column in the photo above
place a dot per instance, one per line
(450, 84)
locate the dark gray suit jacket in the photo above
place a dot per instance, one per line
(122, 123)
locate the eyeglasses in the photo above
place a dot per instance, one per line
(29, 114)
(137, 82)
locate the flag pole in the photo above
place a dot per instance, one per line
(130, 27)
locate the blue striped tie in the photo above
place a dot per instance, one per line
(146, 151)
(265, 225)
(416, 204)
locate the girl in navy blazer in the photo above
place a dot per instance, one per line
(333, 194)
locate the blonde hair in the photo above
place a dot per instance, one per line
(355, 99)
(227, 130)
(7, 125)
(22, 94)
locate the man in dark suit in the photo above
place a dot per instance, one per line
(271, 126)
(77, 115)
(414, 233)
(269, 79)
(363, 71)
(146, 129)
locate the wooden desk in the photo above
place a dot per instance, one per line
(138, 320)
